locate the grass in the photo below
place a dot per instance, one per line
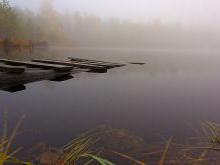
(6, 152)
(162, 160)
(84, 150)
(203, 151)
(212, 132)
(79, 149)
(138, 162)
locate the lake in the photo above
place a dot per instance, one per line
(170, 95)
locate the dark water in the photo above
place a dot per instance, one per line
(169, 96)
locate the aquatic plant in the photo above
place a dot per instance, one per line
(162, 160)
(90, 148)
(7, 155)
(212, 132)
(82, 149)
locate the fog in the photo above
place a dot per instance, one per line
(129, 23)
(187, 12)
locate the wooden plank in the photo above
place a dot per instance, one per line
(112, 65)
(56, 62)
(96, 61)
(138, 63)
(86, 60)
(71, 63)
(75, 64)
(37, 65)
(62, 78)
(108, 66)
(11, 69)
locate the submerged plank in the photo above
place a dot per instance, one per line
(71, 63)
(87, 60)
(107, 65)
(37, 65)
(11, 69)
(96, 62)
(138, 63)
(75, 64)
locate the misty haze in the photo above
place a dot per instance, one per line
(109, 82)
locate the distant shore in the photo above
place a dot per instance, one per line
(19, 44)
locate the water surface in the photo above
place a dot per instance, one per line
(169, 96)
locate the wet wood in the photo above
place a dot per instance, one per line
(106, 64)
(138, 63)
(96, 62)
(37, 65)
(70, 63)
(11, 69)
(75, 64)
(14, 74)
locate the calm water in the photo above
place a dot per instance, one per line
(169, 96)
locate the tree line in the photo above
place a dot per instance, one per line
(89, 30)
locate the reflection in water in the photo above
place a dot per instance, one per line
(15, 88)
(62, 78)
(13, 82)
(172, 92)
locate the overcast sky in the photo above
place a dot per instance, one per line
(206, 12)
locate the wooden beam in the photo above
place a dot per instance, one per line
(96, 61)
(75, 64)
(107, 65)
(37, 65)
(71, 63)
(11, 69)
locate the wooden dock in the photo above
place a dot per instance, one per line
(14, 74)
(37, 65)
(96, 68)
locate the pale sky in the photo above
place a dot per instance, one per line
(182, 11)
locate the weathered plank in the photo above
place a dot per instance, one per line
(138, 63)
(37, 65)
(36, 70)
(11, 69)
(96, 61)
(71, 63)
(87, 60)
(107, 65)
(75, 64)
